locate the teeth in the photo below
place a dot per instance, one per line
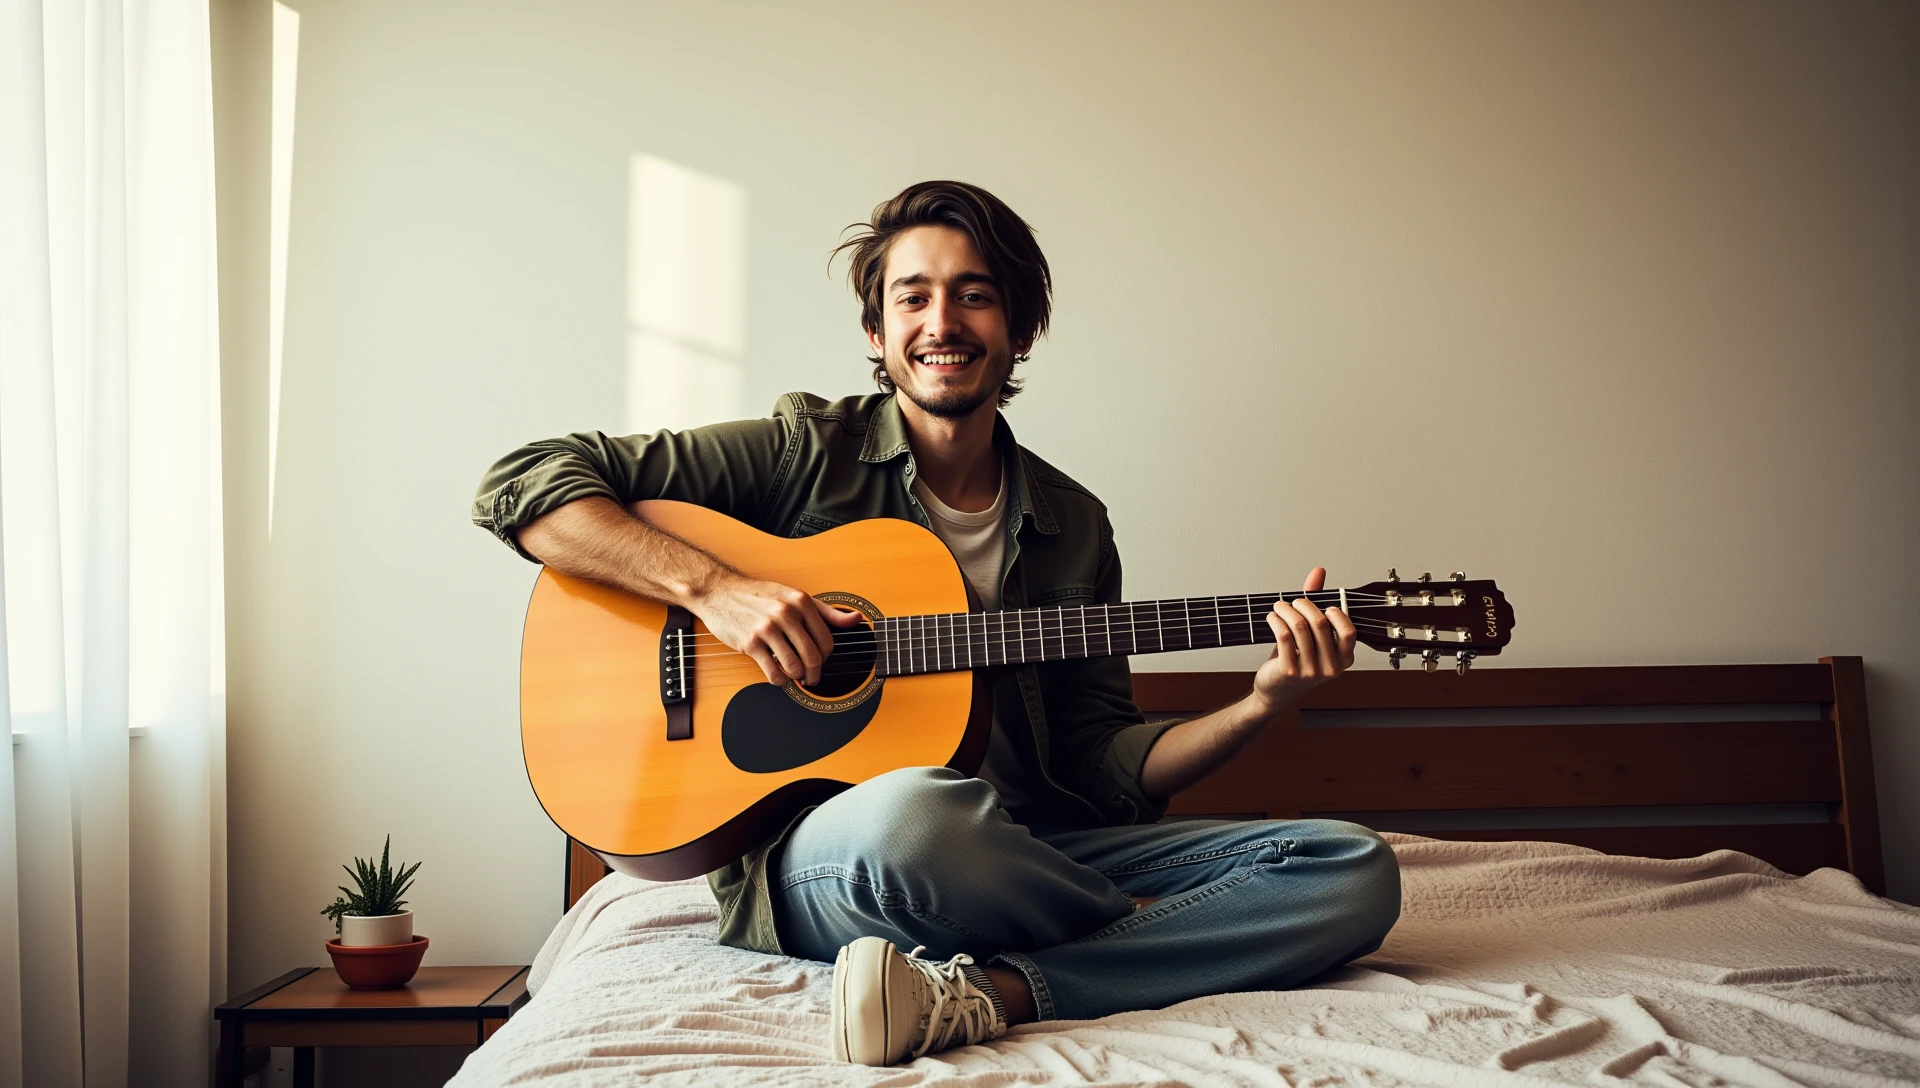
(945, 359)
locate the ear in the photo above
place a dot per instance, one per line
(1021, 347)
(877, 342)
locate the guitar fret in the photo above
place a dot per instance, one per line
(947, 641)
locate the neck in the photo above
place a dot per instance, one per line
(969, 640)
(955, 455)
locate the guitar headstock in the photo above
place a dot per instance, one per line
(1459, 617)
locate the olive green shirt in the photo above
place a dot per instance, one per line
(816, 464)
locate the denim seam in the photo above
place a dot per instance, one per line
(881, 896)
(1036, 982)
(1279, 846)
(1178, 903)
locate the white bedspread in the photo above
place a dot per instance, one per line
(1513, 964)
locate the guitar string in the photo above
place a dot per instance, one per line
(940, 640)
(1332, 598)
(955, 632)
(746, 664)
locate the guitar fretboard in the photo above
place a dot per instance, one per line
(969, 640)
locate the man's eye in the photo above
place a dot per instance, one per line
(912, 300)
(975, 296)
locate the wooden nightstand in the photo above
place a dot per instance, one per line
(442, 1006)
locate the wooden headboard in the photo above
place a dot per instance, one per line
(1657, 761)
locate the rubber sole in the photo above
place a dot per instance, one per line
(862, 1002)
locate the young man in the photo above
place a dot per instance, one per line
(1043, 887)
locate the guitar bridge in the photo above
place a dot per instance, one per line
(676, 672)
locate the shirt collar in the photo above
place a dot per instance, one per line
(887, 439)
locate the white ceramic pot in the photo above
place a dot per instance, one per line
(379, 929)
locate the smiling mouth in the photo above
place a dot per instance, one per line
(945, 361)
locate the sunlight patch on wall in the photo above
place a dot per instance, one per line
(286, 65)
(686, 296)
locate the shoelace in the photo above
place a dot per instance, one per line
(960, 1010)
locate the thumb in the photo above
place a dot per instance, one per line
(839, 617)
(1316, 579)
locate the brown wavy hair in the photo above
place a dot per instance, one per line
(1004, 240)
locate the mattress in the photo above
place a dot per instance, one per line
(1513, 964)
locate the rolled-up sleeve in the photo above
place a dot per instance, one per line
(1103, 739)
(729, 467)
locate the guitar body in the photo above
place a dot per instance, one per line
(595, 729)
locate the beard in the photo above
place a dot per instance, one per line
(943, 401)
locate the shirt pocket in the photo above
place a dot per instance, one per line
(1060, 595)
(808, 524)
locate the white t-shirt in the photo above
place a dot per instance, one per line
(979, 542)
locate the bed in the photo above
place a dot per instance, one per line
(1660, 876)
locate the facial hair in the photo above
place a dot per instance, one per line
(946, 403)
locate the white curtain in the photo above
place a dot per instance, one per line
(112, 790)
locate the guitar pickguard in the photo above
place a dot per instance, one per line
(764, 731)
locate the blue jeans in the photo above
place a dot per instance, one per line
(926, 856)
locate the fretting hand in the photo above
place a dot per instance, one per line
(783, 630)
(1311, 646)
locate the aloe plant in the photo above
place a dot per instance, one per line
(379, 890)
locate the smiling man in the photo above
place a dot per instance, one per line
(1042, 888)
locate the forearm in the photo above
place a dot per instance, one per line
(596, 538)
(1195, 749)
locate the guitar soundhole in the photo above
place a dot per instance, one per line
(850, 663)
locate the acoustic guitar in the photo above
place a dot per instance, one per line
(667, 753)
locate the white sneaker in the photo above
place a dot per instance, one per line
(889, 1008)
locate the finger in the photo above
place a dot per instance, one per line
(1325, 645)
(1316, 579)
(767, 664)
(1344, 628)
(817, 629)
(1284, 645)
(800, 637)
(780, 644)
(1303, 641)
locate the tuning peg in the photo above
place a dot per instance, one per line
(1393, 574)
(1465, 659)
(1427, 577)
(1430, 660)
(1459, 575)
(1394, 657)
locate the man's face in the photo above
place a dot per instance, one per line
(943, 325)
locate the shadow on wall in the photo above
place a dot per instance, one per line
(686, 296)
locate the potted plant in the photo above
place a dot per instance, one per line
(376, 947)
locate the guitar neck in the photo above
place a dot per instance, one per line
(950, 641)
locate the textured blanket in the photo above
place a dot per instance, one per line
(1513, 964)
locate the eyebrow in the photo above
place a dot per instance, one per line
(921, 279)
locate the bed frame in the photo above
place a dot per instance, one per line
(1657, 761)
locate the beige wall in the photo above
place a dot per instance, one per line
(1611, 302)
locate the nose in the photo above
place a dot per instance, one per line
(940, 318)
